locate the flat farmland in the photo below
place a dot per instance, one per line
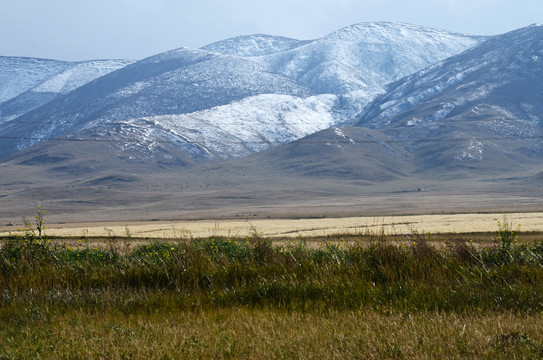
(292, 228)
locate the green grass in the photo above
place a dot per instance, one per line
(252, 272)
(240, 333)
(48, 289)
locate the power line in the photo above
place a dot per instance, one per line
(335, 141)
(205, 120)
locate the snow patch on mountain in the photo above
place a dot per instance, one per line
(253, 45)
(366, 56)
(339, 133)
(473, 151)
(79, 74)
(230, 131)
(18, 74)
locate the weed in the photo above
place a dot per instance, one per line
(506, 235)
(514, 342)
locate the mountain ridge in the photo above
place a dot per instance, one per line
(59, 82)
(483, 103)
(185, 81)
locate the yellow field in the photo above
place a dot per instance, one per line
(280, 228)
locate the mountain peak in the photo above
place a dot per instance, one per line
(386, 31)
(179, 53)
(253, 45)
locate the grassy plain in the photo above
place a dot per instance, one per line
(241, 333)
(253, 297)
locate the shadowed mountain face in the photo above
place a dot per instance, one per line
(478, 111)
(351, 153)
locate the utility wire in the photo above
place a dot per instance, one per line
(342, 141)
(204, 120)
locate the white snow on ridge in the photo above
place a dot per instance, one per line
(247, 126)
(18, 74)
(386, 30)
(253, 45)
(79, 74)
(366, 56)
(360, 57)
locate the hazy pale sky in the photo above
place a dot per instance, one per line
(134, 29)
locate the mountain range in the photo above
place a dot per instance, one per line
(349, 67)
(374, 107)
(480, 109)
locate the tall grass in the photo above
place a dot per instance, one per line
(240, 333)
(251, 272)
(248, 298)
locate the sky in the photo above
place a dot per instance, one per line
(134, 29)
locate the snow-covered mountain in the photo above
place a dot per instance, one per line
(367, 56)
(176, 82)
(151, 136)
(19, 74)
(254, 45)
(241, 128)
(231, 92)
(50, 79)
(481, 108)
(356, 61)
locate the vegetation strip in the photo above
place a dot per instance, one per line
(44, 284)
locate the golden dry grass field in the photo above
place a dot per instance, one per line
(292, 228)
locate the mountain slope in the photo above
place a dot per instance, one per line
(228, 131)
(361, 56)
(346, 153)
(480, 110)
(355, 62)
(367, 56)
(18, 74)
(176, 82)
(253, 45)
(72, 76)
